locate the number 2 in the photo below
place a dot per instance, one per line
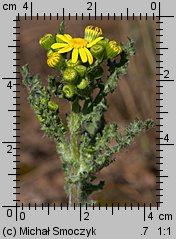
(90, 6)
(86, 218)
(167, 74)
(10, 149)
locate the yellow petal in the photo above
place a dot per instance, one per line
(83, 54)
(94, 42)
(74, 55)
(89, 56)
(65, 49)
(63, 38)
(58, 45)
(68, 36)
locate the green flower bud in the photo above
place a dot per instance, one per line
(113, 49)
(70, 74)
(43, 101)
(47, 41)
(53, 106)
(104, 42)
(81, 70)
(91, 33)
(69, 91)
(91, 149)
(69, 63)
(56, 61)
(49, 53)
(40, 119)
(83, 84)
(58, 39)
(36, 107)
(89, 156)
(97, 51)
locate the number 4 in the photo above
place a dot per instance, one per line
(150, 215)
(25, 6)
(166, 137)
(9, 84)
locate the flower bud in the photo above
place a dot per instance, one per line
(69, 63)
(81, 70)
(56, 61)
(91, 33)
(49, 53)
(104, 42)
(58, 40)
(70, 74)
(47, 41)
(40, 119)
(36, 107)
(69, 91)
(113, 49)
(97, 51)
(53, 106)
(83, 84)
(43, 101)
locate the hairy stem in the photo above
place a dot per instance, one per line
(74, 195)
(74, 188)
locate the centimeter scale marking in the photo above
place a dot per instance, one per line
(159, 54)
(158, 107)
(82, 210)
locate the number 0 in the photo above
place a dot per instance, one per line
(153, 5)
(22, 216)
(9, 212)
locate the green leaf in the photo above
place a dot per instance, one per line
(109, 132)
(130, 132)
(129, 48)
(111, 83)
(89, 188)
(93, 122)
(61, 28)
(39, 97)
(104, 151)
(118, 69)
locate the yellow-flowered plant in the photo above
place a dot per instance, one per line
(78, 46)
(84, 143)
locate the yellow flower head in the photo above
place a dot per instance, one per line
(113, 49)
(55, 60)
(79, 46)
(91, 33)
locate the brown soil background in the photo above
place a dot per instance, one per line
(132, 178)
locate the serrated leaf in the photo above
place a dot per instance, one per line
(111, 83)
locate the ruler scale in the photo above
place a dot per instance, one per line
(51, 220)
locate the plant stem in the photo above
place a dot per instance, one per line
(74, 189)
(74, 195)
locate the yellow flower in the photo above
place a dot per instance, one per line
(55, 60)
(113, 49)
(91, 33)
(79, 46)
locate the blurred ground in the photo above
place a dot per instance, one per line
(131, 179)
